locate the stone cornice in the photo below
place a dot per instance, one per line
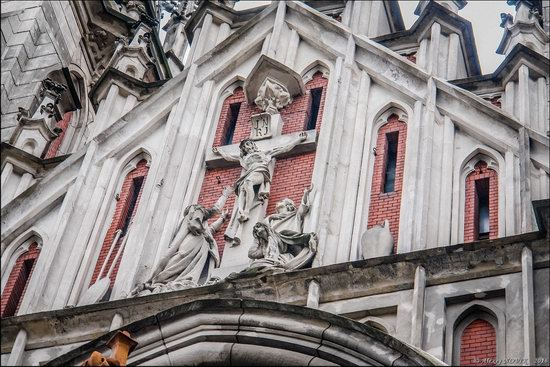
(339, 281)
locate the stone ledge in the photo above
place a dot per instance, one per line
(338, 282)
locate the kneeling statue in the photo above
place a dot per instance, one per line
(279, 242)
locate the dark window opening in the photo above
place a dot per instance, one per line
(316, 94)
(234, 109)
(18, 291)
(134, 194)
(482, 208)
(391, 161)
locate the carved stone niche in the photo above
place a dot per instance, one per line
(272, 85)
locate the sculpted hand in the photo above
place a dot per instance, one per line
(224, 215)
(309, 189)
(303, 136)
(227, 190)
(215, 150)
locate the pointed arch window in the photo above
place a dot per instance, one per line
(481, 204)
(126, 207)
(18, 280)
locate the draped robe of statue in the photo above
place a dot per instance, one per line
(280, 242)
(192, 253)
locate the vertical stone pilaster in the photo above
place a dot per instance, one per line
(528, 306)
(313, 295)
(418, 307)
(16, 355)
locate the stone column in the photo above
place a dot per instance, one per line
(313, 294)
(509, 183)
(418, 307)
(528, 307)
(24, 183)
(16, 355)
(292, 48)
(452, 58)
(446, 197)
(202, 46)
(433, 56)
(6, 173)
(523, 95)
(223, 32)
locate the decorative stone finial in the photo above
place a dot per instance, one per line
(272, 96)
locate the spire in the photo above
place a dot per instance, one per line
(524, 28)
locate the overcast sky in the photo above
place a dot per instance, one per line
(484, 16)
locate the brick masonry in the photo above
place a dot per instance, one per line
(18, 280)
(291, 175)
(478, 344)
(470, 207)
(118, 219)
(295, 115)
(387, 205)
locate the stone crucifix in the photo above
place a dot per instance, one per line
(252, 188)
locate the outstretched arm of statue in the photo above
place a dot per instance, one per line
(219, 222)
(287, 148)
(303, 209)
(220, 203)
(227, 156)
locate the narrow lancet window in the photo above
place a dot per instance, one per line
(234, 109)
(391, 161)
(316, 94)
(482, 208)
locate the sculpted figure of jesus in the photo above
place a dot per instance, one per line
(252, 188)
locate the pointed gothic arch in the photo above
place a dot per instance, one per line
(468, 160)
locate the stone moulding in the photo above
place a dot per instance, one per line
(277, 73)
(235, 331)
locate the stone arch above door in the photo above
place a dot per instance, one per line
(238, 332)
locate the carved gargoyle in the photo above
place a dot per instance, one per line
(121, 345)
(23, 112)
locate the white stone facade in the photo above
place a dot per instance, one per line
(169, 117)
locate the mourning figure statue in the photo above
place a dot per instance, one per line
(192, 253)
(279, 241)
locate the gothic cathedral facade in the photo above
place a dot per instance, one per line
(297, 183)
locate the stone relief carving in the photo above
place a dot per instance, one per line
(192, 253)
(23, 112)
(253, 187)
(53, 88)
(377, 241)
(272, 96)
(280, 241)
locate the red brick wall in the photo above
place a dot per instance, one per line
(470, 207)
(387, 205)
(478, 344)
(117, 221)
(291, 175)
(411, 57)
(211, 190)
(294, 116)
(17, 282)
(63, 124)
